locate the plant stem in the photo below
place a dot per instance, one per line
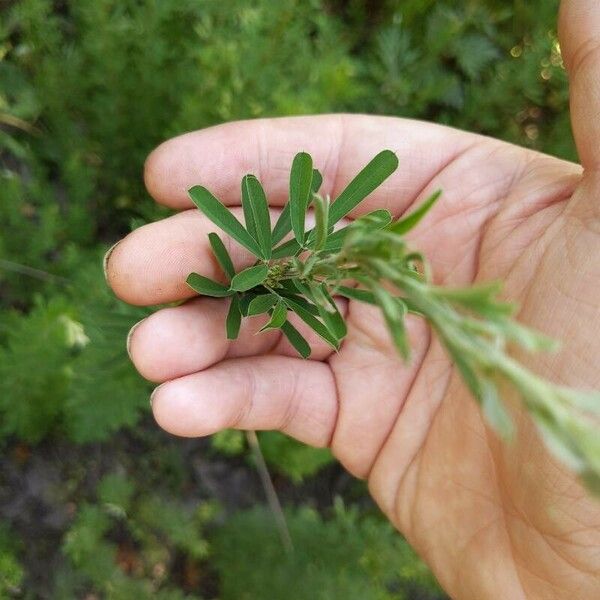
(270, 492)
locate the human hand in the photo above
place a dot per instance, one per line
(492, 520)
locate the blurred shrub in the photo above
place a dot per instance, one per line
(348, 556)
(38, 386)
(128, 543)
(107, 76)
(286, 58)
(287, 456)
(483, 66)
(104, 81)
(63, 364)
(113, 78)
(32, 233)
(292, 458)
(11, 571)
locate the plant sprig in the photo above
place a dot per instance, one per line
(303, 275)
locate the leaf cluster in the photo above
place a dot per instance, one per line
(280, 281)
(302, 276)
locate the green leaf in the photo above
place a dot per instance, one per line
(305, 267)
(304, 289)
(261, 304)
(321, 225)
(356, 294)
(317, 180)
(591, 480)
(528, 338)
(283, 225)
(561, 446)
(287, 287)
(245, 302)
(300, 191)
(295, 338)
(308, 306)
(368, 298)
(249, 278)
(249, 221)
(284, 222)
(479, 298)
(287, 249)
(331, 315)
(207, 287)
(222, 217)
(585, 401)
(221, 254)
(335, 241)
(468, 374)
(370, 178)
(234, 318)
(377, 219)
(319, 328)
(256, 213)
(407, 223)
(494, 410)
(278, 316)
(394, 313)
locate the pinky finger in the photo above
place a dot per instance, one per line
(291, 395)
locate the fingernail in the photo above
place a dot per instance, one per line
(130, 335)
(153, 394)
(106, 259)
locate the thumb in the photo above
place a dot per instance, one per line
(579, 34)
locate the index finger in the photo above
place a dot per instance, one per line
(341, 145)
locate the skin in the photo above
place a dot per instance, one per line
(492, 520)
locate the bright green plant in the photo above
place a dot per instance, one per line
(303, 275)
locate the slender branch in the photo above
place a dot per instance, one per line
(270, 492)
(18, 123)
(30, 271)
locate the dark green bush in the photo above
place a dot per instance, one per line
(124, 545)
(11, 570)
(63, 364)
(347, 557)
(297, 461)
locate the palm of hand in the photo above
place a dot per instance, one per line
(459, 495)
(462, 497)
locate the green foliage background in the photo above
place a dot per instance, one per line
(87, 89)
